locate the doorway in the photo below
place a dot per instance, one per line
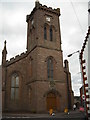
(51, 101)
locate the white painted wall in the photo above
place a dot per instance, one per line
(86, 56)
(88, 64)
(89, 49)
(0, 92)
(89, 56)
(88, 14)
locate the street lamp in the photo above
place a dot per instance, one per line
(73, 53)
(79, 58)
(84, 94)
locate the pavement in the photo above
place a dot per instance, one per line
(71, 115)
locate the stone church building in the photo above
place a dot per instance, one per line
(36, 80)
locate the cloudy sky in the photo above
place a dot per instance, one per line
(73, 23)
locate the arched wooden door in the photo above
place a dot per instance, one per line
(51, 101)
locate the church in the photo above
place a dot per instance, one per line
(37, 80)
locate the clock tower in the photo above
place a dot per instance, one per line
(43, 28)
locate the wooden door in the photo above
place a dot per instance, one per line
(51, 101)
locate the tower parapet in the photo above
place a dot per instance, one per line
(43, 7)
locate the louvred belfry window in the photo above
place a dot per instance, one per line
(51, 34)
(45, 32)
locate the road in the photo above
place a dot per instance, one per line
(73, 115)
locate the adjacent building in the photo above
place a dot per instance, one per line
(85, 65)
(36, 80)
(89, 54)
(0, 91)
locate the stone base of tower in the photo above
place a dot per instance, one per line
(47, 97)
(43, 98)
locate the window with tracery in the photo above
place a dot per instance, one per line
(30, 67)
(29, 95)
(50, 68)
(14, 87)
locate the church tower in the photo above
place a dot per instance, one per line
(43, 28)
(49, 77)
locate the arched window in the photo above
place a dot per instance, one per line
(45, 32)
(50, 68)
(51, 34)
(14, 87)
(31, 67)
(29, 95)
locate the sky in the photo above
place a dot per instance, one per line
(73, 26)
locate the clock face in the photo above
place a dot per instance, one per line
(48, 19)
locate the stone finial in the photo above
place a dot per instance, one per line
(37, 3)
(66, 64)
(37, 0)
(4, 53)
(58, 9)
(5, 46)
(5, 43)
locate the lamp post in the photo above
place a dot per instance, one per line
(73, 53)
(83, 85)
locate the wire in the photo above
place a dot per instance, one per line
(77, 16)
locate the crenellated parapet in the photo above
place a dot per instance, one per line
(16, 58)
(43, 7)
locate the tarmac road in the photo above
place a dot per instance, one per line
(73, 115)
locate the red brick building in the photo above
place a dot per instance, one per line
(36, 80)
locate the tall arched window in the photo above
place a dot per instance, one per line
(29, 95)
(50, 68)
(51, 34)
(14, 87)
(31, 67)
(45, 32)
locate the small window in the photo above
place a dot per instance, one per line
(45, 32)
(51, 34)
(50, 68)
(15, 87)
